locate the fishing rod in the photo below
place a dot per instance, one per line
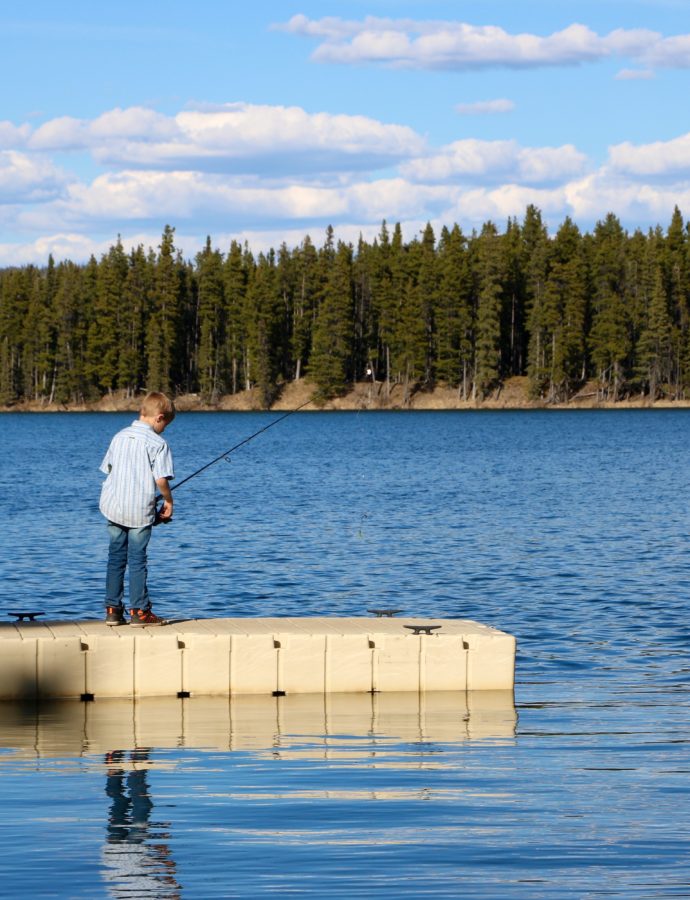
(228, 452)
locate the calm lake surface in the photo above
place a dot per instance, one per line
(568, 529)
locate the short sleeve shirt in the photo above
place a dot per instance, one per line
(136, 458)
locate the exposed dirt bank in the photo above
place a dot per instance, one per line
(513, 394)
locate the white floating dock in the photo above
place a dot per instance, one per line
(278, 656)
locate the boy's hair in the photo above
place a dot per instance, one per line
(155, 402)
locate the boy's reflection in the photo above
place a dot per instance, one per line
(134, 865)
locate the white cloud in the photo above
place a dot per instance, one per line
(112, 203)
(357, 209)
(461, 46)
(73, 246)
(13, 136)
(586, 200)
(24, 179)
(477, 205)
(119, 125)
(541, 165)
(277, 173)
(475, 160)
(636, 203)
(331, 27)
(671, 52)
(135, 122)
(485, 107)
(458, 45)
(665, 159)
(634, 75)
(184, 197)
(236, 137)
(78, 247)
(396, 198)
(63, 133)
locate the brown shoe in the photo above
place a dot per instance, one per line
(114, 615)
(144, 617)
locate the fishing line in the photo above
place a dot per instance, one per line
(227, 453)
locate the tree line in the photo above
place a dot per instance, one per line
(464, 310)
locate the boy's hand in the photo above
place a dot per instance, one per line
(164, 513)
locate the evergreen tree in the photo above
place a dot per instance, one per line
(237, 270)
(489, 298)
(677, 285)
(163, 336)
(365, 324)
(383, 303)
(104, 338)
(513, 326)
(468, 313)
(14, 303)
(71, 333)
(396, 296)
(562, 318)
(331, 361)
(38, 340)
(454, 312)
(286, 281)
(610, 337)
(263, 307)
(211, 322)
(654, 351)
(410, 352)
(137, 292)
(427, 294)
(305, 303)
(535, 253)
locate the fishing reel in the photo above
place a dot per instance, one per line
(159, 518)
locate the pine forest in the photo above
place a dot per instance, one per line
(464, 310)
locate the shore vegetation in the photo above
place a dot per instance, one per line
(519, 318)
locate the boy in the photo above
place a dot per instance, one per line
(138, 465)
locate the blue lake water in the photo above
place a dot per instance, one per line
(568, 529)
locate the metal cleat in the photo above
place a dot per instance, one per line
(20, 616)
(422, 629)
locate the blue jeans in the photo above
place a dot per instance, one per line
(127, 548)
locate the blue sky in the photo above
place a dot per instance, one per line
(267, 121)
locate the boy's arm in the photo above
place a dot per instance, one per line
(166, 512)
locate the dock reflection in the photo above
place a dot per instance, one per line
(128, 739)
(71, 728)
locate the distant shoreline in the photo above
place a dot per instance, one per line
(512, 395)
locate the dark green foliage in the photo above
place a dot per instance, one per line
(71, 350)
(14, 302)
(467, 312)
(211, 316)
(454, 320)
(489, 302)
(304, 302)
(104, 335)
(136, 300)
(262, 325)
(238, 268)
(163, 335)
(610, 338)
(562, 315)
(331, 365)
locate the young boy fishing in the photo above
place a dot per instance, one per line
(139, 466)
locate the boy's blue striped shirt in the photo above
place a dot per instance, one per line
(136, 458)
